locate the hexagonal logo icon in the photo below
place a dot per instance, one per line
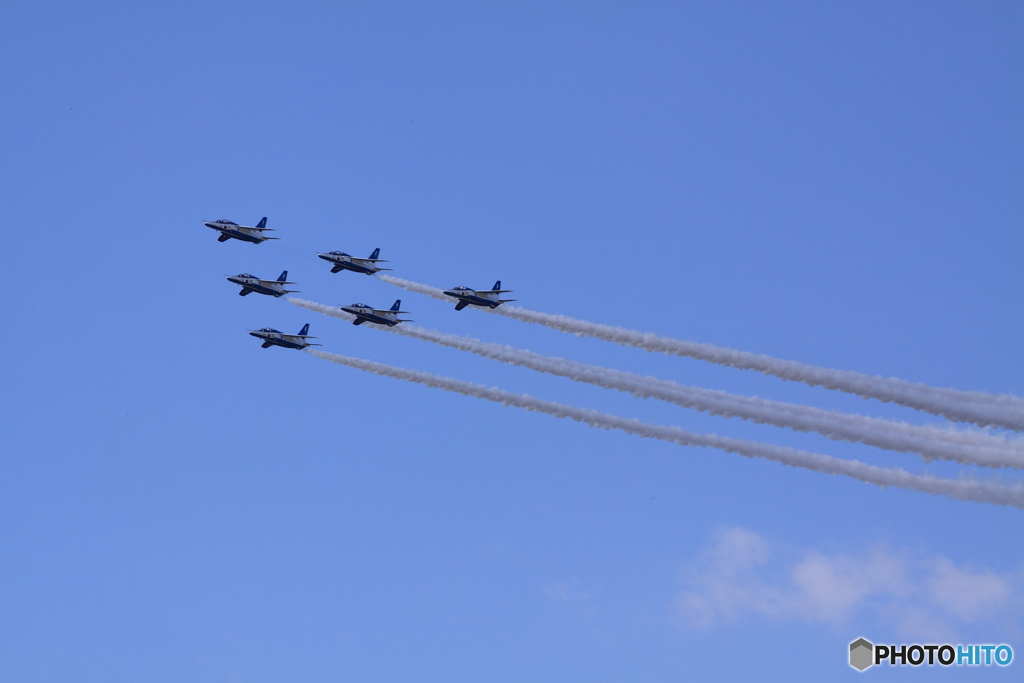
(862, 654)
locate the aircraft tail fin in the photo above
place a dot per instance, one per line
(283, 276)
(304, 330)
(262, 223)
(375, 254)
(497, 285)
(397, 305)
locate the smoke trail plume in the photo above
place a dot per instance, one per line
(963, 489)
(961, 446)
(977, 407)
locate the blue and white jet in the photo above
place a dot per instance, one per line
(251, 283)
(272, 337)
(379, 316)
(231, 230)
(478, 297)
(342, 261)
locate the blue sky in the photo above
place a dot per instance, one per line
(833, 184)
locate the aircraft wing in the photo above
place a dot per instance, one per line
(367, 260)
(493, 291)
(275, 282)
(387, 310)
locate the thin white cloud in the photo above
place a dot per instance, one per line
(741, 575)
(968, 594)
(568, 591)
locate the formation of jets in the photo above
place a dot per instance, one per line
(339, 260)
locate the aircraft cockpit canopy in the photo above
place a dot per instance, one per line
(270, 329)
(360, 306)
(461, 289)
(226, 221)
(339, 253)
(251, 277)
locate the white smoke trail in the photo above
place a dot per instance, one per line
(977, 407)
(932, 443)
(963, 489)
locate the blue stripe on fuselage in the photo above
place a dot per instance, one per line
(378, 320)
(260, 289)
(375, 319)
(245, 237)
(348, 265)
(478, 301)
(280, 342)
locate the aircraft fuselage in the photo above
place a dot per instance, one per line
(342, 262)
(474, 299)
(230, 230)
(253, 285)
(270, 339)
(369, 315)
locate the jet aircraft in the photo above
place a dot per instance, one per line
(365, 314)
(272, 337)
(478, 297)
(251, 283)
(230, 229)
(342, 261)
